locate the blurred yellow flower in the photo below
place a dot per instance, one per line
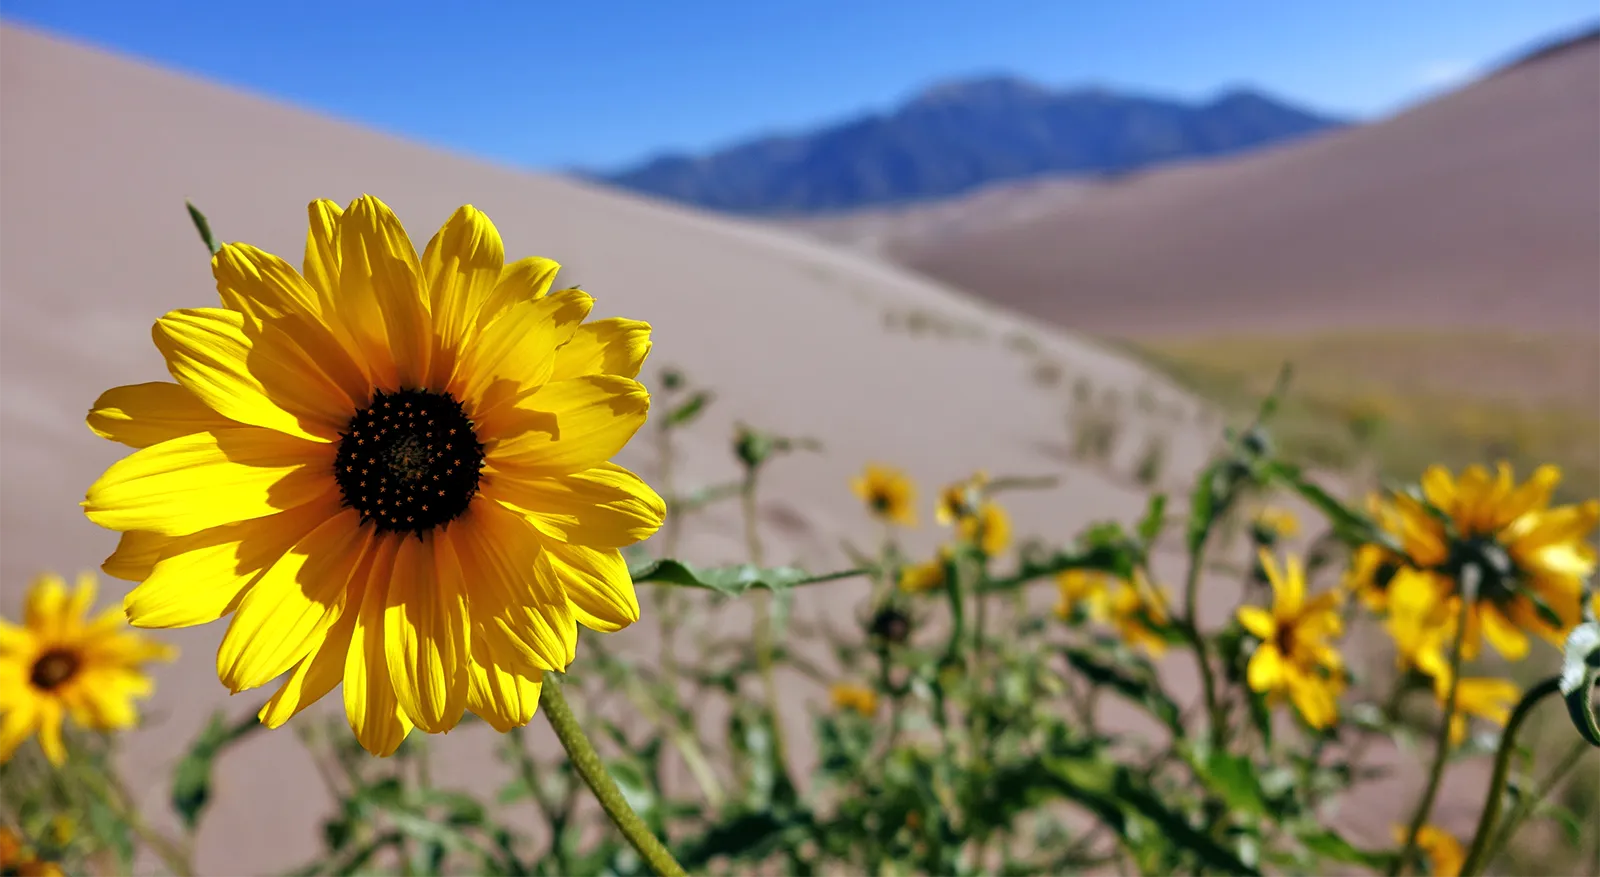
(854, 696)
(989, 528)
(921, 578)
(1444, 852)
(1421, 620)
(1280, 522)
(1373, 566)
(17, 860)
(1523, 547)
(888, 493)
(1082, 588)
(1294, 657)
(59, 662)
(1137, 609)
(391, 471)
(961, 499)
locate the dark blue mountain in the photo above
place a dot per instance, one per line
(961, 135)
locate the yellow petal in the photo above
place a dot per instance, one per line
(250, 379)
(1503, 634)
(519, 604)
(46, 605)
(255, 282)
(516, 353)
(140, 415)
(1315, 700)
(568, 426)
(199, 578)
(378, 270)
(208, 479)
(460, 269)
(50, 731)
(1265, 671)
(522, 280)
(17, 724)
(315, 675)
(1439, 488)
(136, 555)
(603, 507)
(597, 583)
(288, 610)
(425, 633)
(612, 346)
(369, 699)
(1258, 622)
(322, 251)
(497, 692)
(81, 600)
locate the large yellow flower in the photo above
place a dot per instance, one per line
(1295, 657)
(392, 472)
(888, 493)
(1523, 547)
(59, 662)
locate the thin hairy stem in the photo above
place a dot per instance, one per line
(1477, 855)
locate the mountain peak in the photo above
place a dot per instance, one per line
(961, 134)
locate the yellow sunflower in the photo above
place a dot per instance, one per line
(392, 472)
(1421, 620)
(1525, 549)
(854, 696)
(888, 493)
(60, 662)
(1444, 853)
(1082, 590)
(1295, 657)
(1136, 609)
(1373, 566)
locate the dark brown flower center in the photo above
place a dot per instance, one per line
(410, 461)
(53, 669)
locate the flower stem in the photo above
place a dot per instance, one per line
(587, 762)
(1469, 592)
(1502, 771)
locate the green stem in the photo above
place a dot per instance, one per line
(1476, 857)
(1469, 592)
(765, 635)
(587, 762)
(1202, 654)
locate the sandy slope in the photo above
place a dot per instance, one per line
(1478, 209)
(96, 157)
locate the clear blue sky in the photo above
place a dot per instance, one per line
(555, 84)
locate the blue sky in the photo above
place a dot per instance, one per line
(596, 84)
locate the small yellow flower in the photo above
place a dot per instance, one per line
(1373, 566)
(1444, 853)
(989, 528)
(1136, 609)
(921, 578)
(854, 696)
(888, 493)
(1089, 589)
(1295, 657)
(1279, 522)
(1490, 517)
(961, 499)
(59, 663)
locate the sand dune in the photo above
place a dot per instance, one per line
(97, 155)
(1479, 209)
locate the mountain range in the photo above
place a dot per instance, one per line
(962, 135)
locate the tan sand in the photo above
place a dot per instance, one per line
(1478, 209)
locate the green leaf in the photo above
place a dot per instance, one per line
(191, 779)
(202, 226)
(690, 408)
(730, 580)
(1329, 845)
(1177, 828)
(1347, 522)
(1142, 688)
(1203, 506)
(1155, 515)
(1233, 777)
